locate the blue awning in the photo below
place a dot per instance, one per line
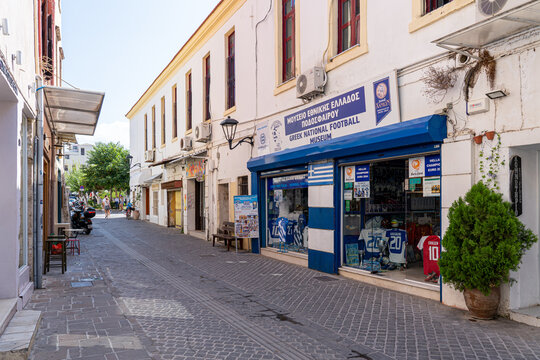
(424, 130)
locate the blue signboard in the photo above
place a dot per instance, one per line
(433, 165)
(361, 173)
(288, 182)
(383, 105)
(340, 107)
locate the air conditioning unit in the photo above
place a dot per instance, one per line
(311, 83)
(203, 132)
(149, 156)
(186, 143)
(488, 8)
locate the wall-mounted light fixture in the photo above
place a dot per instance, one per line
(229, 130)
(129, 158)
(497, 94)
(4, 26)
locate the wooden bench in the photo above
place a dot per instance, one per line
(225, 234)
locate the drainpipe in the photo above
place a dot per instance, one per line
(39, 199)
(35, 219)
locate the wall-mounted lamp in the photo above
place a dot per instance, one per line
(497, 94)
(17, 57)
(129, 158)
(229, 130)
(4, 26)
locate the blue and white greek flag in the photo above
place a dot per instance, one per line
(321, 174)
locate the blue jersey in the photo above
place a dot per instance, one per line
(397, 243)
(369, 240)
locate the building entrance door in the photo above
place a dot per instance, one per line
(147, 201)
(223, 203)
(171, 209)
(199, 206)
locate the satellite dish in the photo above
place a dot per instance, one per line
(490, 7)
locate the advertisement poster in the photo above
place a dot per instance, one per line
(383, 105)
(361, 190)
(352, 255)
(246, 216)
(417, 167)
(433, 165)
(278, 195)
(365, 107)
(361, 173)
(349, 173)
(195, 167)
(347, 194)
(415, 184)
(432, 186)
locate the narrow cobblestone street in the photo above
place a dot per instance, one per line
(159, 294)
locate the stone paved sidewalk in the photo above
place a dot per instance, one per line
(169, 296)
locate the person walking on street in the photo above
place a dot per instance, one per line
(121, 203)
(106, 206)
(116, 202)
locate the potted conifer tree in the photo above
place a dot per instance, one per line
(483, 243)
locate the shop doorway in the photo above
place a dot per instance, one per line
(391, 217)
(147, 201)
(171, 209)
(223, 203)
(199, 206)
(45, 220)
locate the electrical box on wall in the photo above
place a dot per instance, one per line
(477, 106)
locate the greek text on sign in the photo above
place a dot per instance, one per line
(363, 108)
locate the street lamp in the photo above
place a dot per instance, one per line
(229, 130)
(129, 158)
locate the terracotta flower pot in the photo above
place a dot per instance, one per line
(480, 305)
(490, 135)
(478, 139)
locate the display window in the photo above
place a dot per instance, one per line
(391, 217)
(287, 213)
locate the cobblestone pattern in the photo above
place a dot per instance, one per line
(164, 295)
(85, 322)
(400, 325)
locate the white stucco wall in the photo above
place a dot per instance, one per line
(388, 48)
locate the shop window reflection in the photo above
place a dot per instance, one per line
(287, 201)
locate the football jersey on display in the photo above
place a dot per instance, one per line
(397, 244)
(430, 246)
(371, 239)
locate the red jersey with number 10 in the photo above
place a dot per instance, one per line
(430, 247)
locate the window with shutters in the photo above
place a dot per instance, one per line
(153, 127)
(231, 81)
(206, 87)
(426, 12)
(288, 39)
(174, 113)
(348, 32)
(189, 103)
(145, 132)
(348, 24)
(163, 120)
(243, 185)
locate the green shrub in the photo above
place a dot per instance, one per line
(483, 242)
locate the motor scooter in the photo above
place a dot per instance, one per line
(82, 219)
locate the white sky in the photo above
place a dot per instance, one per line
(119, 47)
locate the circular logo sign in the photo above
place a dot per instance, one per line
(416, 164)
(381, 91)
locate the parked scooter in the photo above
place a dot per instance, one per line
(81, 218)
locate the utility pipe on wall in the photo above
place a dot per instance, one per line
(38, 253)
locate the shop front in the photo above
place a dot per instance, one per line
(352, 188)
(366, 202)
